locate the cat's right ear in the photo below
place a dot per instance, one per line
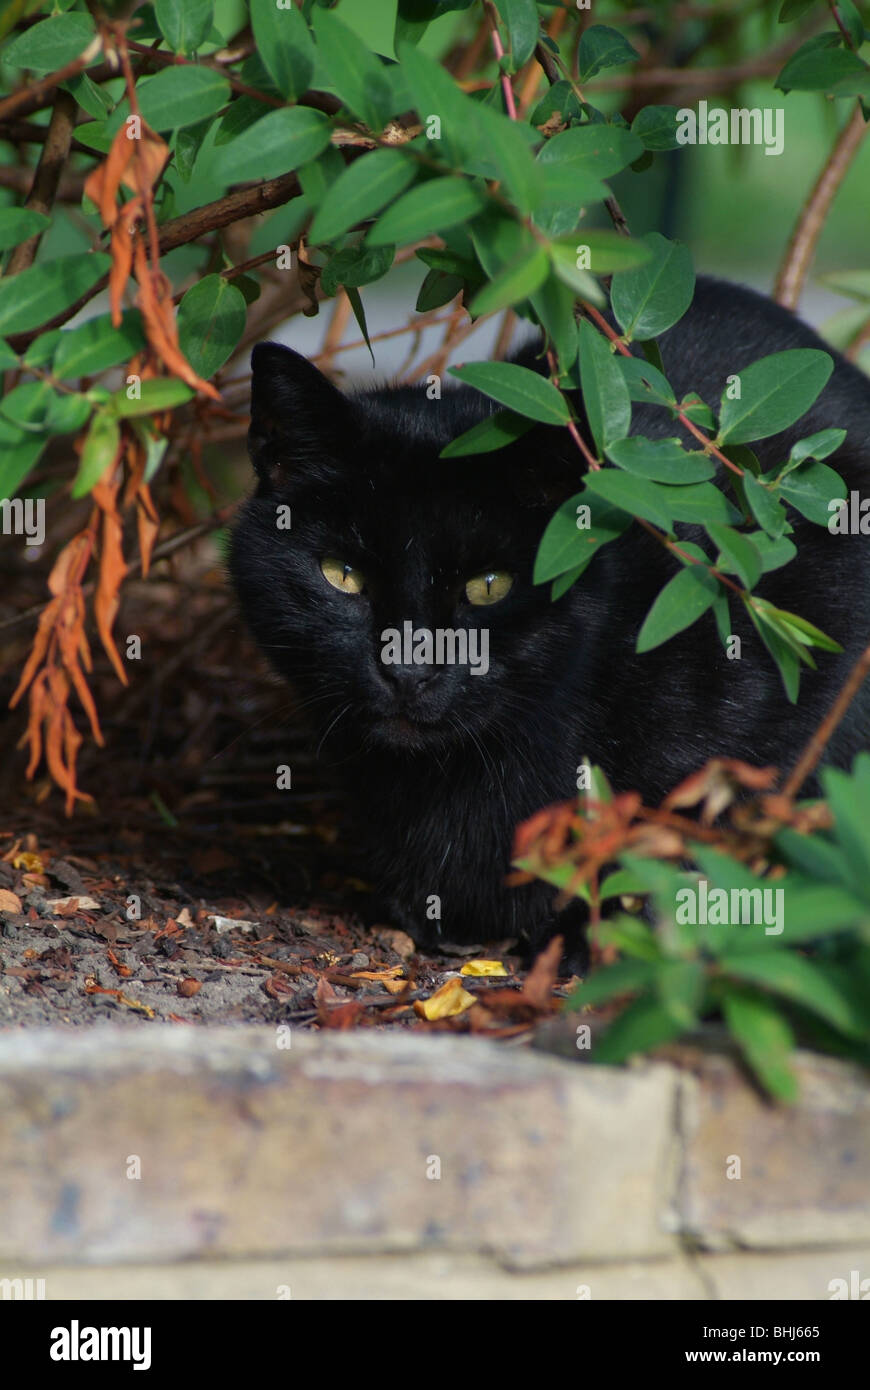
(298, 418)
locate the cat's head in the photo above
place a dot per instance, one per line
(393, 587)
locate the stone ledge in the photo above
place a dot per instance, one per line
(433, 1276)
(248, 1152)
(805, 1170)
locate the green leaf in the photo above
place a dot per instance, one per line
(188, 143)
(42, 349)
(91, 98)
(211, 320)
(631, 494)
(437, 288)
(36, 407)
(781, 649)
(645, 1024)
(183, 95)
(518, 388)
(605, 394)
(793, 9)
(812, 489)
(625, 977)
(354, 71)
(285, 45)
(849, 799)
(96, 345)
(645, 382)
(241, 115)
(553, 305)
(681, 602)
(559, 99)
(681, 986)
(513, 284)
(565, 266)
(605, 252)
(815, 446)
(699, 503)
(277, 144)
(355, 266)
(435, 93)
(497, 430)
(184, 23)
(160, 393)
(818, 68)
(521, 20)
(663, 460)
(18, 458)
(100, 450)
(574, 536)
(34, 295)
(599, 150)
(764, 505)
(851, 17)
(794, 977)
(774, 552)
(765, 1039)
(602, 47)
(654, 296)
(562, 195)
(742, 556)
(359, 314)
(51, 43)
(430, 207)
(774, 392)
(814, 854)
(656, 127)
(504, 153)
(19, 224)
(8, 358)
(361, 190)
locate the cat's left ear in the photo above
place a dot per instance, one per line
(297, 415)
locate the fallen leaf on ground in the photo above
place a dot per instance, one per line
(483, 967)
(449, 1000)
(31, 862)
(9, 901)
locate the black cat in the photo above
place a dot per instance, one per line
(443, 761)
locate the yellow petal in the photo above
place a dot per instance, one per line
(483, 967)
(450, 999)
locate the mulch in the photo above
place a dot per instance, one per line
(188, 890)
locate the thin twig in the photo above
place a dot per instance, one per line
(815, 748)
(804, 239)
(498, 50)
(46, 179)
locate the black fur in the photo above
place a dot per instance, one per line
(440, 790)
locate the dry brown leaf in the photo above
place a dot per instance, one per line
(9, 901)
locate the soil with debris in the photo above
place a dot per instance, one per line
(189, 889)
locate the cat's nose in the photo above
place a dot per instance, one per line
(407, 680)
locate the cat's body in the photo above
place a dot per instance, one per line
(441, 763)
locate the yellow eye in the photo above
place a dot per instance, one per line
(490, 587)
(342, 576)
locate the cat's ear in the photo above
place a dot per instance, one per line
(297, 416)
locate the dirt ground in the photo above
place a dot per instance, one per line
(189, 889)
